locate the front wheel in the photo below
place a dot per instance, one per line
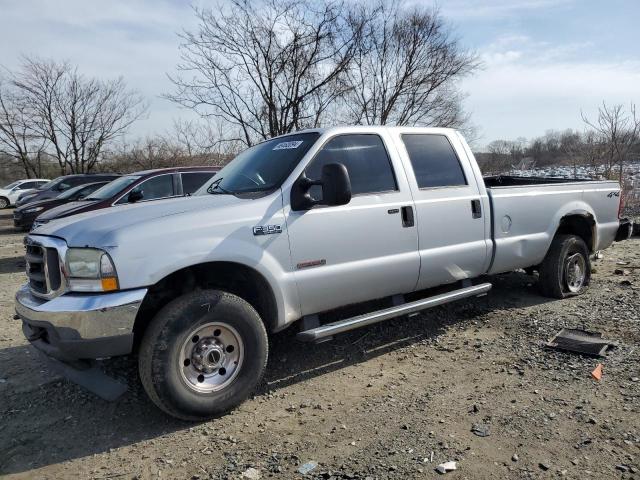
(566, 269)
(4, 203)
(203, 354)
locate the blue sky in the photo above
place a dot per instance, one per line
(543, 60)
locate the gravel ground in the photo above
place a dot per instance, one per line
(389, 401)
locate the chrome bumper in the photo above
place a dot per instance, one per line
(75, 326)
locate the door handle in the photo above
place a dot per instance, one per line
(407, 217)
(476, 209)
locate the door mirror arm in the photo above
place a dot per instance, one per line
(336, 188)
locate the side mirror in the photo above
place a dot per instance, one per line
(135, 195)
(336, 188)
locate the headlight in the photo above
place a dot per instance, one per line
(90, 270)
(33, 210)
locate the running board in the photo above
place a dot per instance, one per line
(330, 329)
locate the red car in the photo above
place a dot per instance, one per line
(142, 186)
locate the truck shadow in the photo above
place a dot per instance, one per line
(46, 420)
(12, 265)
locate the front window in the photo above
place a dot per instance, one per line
(261, 168)
(113, 188)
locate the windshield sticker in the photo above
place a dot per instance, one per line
(288, 145)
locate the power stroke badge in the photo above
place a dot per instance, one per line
(267, 229)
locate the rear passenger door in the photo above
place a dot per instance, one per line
(450, 217)
(359, 251)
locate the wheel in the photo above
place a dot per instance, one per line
(203, 354)
(566, 269)
(4, 203)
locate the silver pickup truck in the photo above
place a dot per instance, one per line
(291, 229)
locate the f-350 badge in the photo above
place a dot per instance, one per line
(266, 229)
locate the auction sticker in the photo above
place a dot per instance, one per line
(288, 145)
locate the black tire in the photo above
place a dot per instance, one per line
(552, 282)
(4, 203)
(160, 358)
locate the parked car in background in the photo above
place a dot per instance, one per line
(55, 187)
(10, 193)
(24, 216)
(136, 187)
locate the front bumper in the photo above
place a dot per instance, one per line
(624, 230)
(80, 326)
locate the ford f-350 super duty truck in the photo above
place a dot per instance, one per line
(293, 228)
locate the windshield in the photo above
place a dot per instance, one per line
(112, 188)
(11, 185)
(261, 168)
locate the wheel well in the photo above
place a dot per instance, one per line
(228, 276)
(581, 225)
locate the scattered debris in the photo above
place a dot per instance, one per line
(307, 467)
(620, 271)
(597, 372)
(480, 429)
(599, 255)
(626, 283)
(446, 467)
(251, 474)
(544, 466)
(580, 341)
(514, 457)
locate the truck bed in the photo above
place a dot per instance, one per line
(526, 213)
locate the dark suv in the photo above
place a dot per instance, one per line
(58, 185)
(136, 187)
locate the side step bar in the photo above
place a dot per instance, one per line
(352, 323)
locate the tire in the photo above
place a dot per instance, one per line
(558, 276)
(4, 203)
(185, 361)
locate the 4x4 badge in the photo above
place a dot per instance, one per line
(266, 229)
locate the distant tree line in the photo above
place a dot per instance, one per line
(608, 142)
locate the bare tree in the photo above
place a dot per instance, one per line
(406, 69)
(77, 117)
(18, 138)
(266, 68)
(619, 132)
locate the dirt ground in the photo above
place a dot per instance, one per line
(389, 401)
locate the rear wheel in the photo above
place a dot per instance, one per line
(203, 354)
(566, 269)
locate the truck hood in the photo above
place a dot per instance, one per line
(97, 228)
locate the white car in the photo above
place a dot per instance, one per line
(10, 193)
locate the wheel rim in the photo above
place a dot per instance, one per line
(211, 357)
(3, 203)
(575, 270)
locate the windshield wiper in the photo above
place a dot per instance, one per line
(216, 189)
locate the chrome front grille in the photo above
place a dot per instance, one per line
(35, 269)
(43, 269)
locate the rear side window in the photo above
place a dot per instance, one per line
(192, 181)
(366, 160)
(434, 161)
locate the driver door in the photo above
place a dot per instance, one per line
(363, 250)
